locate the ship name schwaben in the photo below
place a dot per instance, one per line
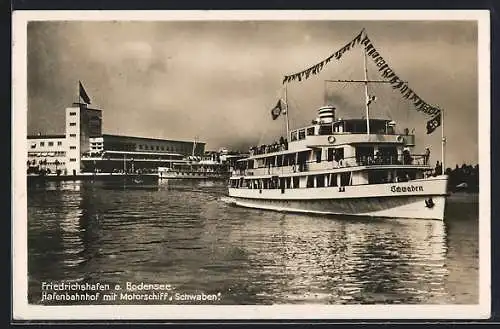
(411, 188)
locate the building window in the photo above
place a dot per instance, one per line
(72, 135)
(72, 124)
(51, 143)
(42, 143)
(72, 147)
(72, 113)
(59, 143)
(72, 160)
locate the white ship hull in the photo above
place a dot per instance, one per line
(422, 199)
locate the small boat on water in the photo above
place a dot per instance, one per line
(212, 166)
(195, 170)
(360, 167)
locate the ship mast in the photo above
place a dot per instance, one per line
(367, 100)
(286, 115)
(443, 142)
(194, 146)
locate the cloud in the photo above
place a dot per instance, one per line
(219, 80)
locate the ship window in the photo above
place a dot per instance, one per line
(302, 134)
(339, 154)
(286, 160)
(377, 177)
(51, 143)
(310, 131)
(42, 143)
(345, 178)
(325, 130)
(329, 154)
(365, 155)
(72, 113)
(288, 182)
(279, 160)
(310, 181)
(293, 136)
(332, 180)
(320, 180)
(296, 182)
(318, 155)
(33, 145)
(59, 143)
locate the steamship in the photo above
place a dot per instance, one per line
(358, 167)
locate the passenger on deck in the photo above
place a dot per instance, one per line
(406, 156)
(427, 155)
(438, 169)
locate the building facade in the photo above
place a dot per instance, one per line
(49, 152)
(85, 149)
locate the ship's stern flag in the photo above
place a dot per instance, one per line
(83, 94)
(276, 111)
(433, 123)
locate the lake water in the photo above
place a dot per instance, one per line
(182, 234)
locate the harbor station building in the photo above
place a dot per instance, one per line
(83, 148)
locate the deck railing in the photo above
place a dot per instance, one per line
(312, 166)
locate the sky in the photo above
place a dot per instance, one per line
(218, 80)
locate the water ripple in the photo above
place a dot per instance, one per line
(184, 233)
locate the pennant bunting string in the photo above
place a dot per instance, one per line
(389, 75)
(315, 69)
(385, 71)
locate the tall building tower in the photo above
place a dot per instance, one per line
(82, 123)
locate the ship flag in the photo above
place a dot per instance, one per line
(433, 123)
(277, 110)
(371, 99)
(83, 94)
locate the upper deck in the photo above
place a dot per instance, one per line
(338, 133)
(343, 145)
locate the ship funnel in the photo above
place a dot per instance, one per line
(326, 114)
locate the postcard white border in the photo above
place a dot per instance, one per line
(23, 311)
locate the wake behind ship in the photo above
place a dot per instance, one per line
(361, 167)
